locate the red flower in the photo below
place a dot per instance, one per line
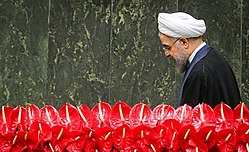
(123, 137)
(226, 140)
(101, 113)
(19, 119)
(203, 115)
(124, 128)
(185, 134)
(241, 115)
(140, 114)
(70, 117)
(195, 145)
(183, 114)
(13, 142)
(223, 117)
(242, 147)
(86, 116)
(61, 136)
(173, 124)
(78, 141)
(50, 116)
(146, 139)
(33, 114)
(243, 138)
(104, 138)
(7, 142)
(168, 137)
(38, 135)
(81, 140)
(119, 114)
(207, 135)
(5, 123)
(161, 113)
(91, 144)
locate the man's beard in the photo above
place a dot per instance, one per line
(181, 61)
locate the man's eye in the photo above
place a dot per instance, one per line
(166, 47)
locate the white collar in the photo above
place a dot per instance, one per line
(191, 57)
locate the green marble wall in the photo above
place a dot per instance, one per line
(85, 51)
(245, 50)
(23, 51)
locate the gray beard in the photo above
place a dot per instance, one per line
(181, 61)
(181, 66)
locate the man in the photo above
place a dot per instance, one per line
(208, 77)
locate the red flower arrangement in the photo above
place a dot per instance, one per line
(122, 128)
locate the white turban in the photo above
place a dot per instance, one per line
(180, 24)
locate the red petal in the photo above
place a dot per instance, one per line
(101, 113)
(7, 142)
(203, 115)
(140, 114)
(161, 113)
(243, 133)
(141, 131)
(104, 138)
(123, 137)
(60, 132)
(207, 135)
(146, 138)
(90, 146)
(196, 146)
(168, 137)
(242, 147)
(50, 115)
(172, 123)
(70, 116)
(161, 130)
(19, 119)
(77, 145)
(39, 133)
(186, 133)
(61, 136)
(78, 142)
(20, 143)
(223, 116)
(5, 124)
(86, 116)
(5, 110)
(33, 113)
(184, 114)
(226, 140)
(241, 114)
(119, 114)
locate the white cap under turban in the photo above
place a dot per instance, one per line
(180, 24)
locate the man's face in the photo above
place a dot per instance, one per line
(173, 49)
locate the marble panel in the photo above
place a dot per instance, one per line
(23, 52)
(78, 59)
(140, 71)
(245, 51)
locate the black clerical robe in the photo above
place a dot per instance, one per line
(211, 81)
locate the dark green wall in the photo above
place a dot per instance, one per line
(79, 51)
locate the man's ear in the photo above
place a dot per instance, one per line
(184, 42)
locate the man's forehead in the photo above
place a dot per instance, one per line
(165, 37)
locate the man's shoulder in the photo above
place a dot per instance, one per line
(212, 63)
(207, 64)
